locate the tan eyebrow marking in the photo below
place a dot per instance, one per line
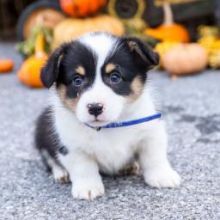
(109, 67)
(80, 70)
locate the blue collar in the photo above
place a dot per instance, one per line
(128, 123)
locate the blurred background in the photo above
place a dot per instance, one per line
(186, 35)
(169, 26)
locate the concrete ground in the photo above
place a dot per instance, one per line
(191, 108)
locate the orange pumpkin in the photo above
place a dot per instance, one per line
(169, 31)
(30, 70)
(81, 8)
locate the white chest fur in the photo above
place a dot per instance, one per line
(112, 149)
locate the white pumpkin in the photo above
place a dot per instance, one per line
(184, 59)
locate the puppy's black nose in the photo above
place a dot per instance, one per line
(95, 109)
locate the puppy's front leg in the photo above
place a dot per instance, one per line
(84, 175)
(154, 162)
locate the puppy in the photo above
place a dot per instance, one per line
(96, 80)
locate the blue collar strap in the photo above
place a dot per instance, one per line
(128, 123)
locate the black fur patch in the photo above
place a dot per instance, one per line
(45, 137)
(63, 63)
(130, 62)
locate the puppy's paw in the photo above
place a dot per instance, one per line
(87, 189)
(162, 177)
(130, 169)
(60, 175)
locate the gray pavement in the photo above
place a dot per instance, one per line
(191, 108)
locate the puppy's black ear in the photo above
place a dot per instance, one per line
(50, 71)
(142, 53)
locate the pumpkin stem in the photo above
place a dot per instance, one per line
(168, 14)
(39, 44)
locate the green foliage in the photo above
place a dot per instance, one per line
(27, 47)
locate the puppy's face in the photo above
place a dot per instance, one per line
(97, 75)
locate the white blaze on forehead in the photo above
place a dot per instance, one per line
(101, 45)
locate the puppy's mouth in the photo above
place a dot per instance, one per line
(97, 122)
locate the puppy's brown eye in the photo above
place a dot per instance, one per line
(115, 78)
(78, 81)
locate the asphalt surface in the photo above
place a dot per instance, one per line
(191, 108)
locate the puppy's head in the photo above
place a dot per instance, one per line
(97, 75)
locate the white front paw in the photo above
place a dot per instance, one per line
(162, 177)
(87, 189)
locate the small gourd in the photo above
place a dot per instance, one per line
(6, 65)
